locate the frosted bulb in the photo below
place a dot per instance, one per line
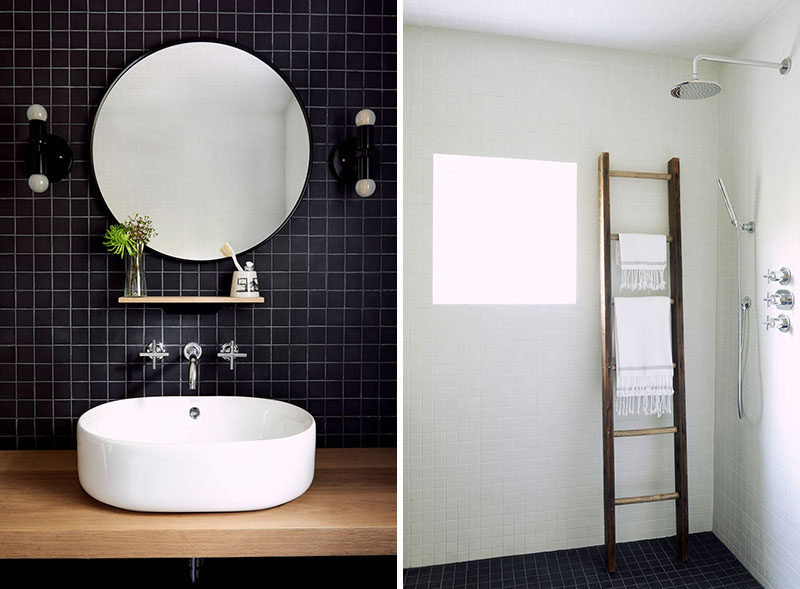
(36, 112)
(38, 182)
(365, 187)
(365, 117)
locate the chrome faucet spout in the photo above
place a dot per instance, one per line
(192, 373)
(192, 351)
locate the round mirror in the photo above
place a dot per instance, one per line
(207, 139)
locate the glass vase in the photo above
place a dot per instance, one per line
(135, 285)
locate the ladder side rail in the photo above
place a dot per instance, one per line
(606, 348)
(679, 381)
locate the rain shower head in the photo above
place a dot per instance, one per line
(694, 89)
(727, 201)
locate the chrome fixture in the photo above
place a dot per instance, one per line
(696, 88)
(750, 226)
(194, 412)
(155, 351)
(782, 299)
(744, 302)
(781, 322)
(49, 158)
(194, 569)
(782, 276)
(350, 157)
(230, 351)
(192, 351)
(744, 305)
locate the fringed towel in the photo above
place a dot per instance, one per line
(644, 355)
(642, 259)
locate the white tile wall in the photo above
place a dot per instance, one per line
(757, 462)
(502, 438)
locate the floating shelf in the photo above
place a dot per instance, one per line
(190, 300)
(350, 509)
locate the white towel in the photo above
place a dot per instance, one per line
(642, 259)
(644, 355)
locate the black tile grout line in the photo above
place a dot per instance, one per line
(329, 345)
(643, 563)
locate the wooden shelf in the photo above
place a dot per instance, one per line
(350, 509)
(190, 300)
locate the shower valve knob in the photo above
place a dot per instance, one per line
(782, 299)
(782, 276)
(781, 322)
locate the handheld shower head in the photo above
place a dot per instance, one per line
(750, 226)
(727, 201)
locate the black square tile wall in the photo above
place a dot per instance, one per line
(326, 337)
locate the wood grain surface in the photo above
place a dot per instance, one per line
(350, 509)
(189, 300)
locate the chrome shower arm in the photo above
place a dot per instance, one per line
(784, 66)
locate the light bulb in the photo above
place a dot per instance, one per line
(38, 182)
(36, 112)
(365, 117)
(365, 187)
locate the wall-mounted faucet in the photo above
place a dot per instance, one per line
(230, 351)
(155, 351)
(192, 351)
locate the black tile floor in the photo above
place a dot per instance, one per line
(647, 563)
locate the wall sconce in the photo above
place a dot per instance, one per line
(350, 157)
(49, 158)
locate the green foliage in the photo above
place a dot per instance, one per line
(118, 241)
(130, 236)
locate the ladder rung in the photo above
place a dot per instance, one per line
(671, 301)
(615, 237)
(650, 431)
(645, 498)
(646, 175)
(614, 366)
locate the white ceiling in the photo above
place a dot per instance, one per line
(680, 28)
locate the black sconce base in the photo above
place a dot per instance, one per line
(57, 157)
(344, 160)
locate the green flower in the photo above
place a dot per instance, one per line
(134, 234)
(118, 241)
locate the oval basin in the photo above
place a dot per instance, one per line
(183, 454)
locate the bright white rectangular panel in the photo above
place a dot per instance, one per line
(504, 231)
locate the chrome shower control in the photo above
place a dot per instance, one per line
(155, 351)
(782, 299)
(230, 351)
(781, 322)
(782, 276)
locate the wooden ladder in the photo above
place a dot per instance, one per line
(610, 500)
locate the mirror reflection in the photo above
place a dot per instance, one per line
(208, 140)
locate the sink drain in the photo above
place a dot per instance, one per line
(194, 413)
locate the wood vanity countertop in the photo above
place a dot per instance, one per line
(350, 509)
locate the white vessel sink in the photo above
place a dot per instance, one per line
(238, 454)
